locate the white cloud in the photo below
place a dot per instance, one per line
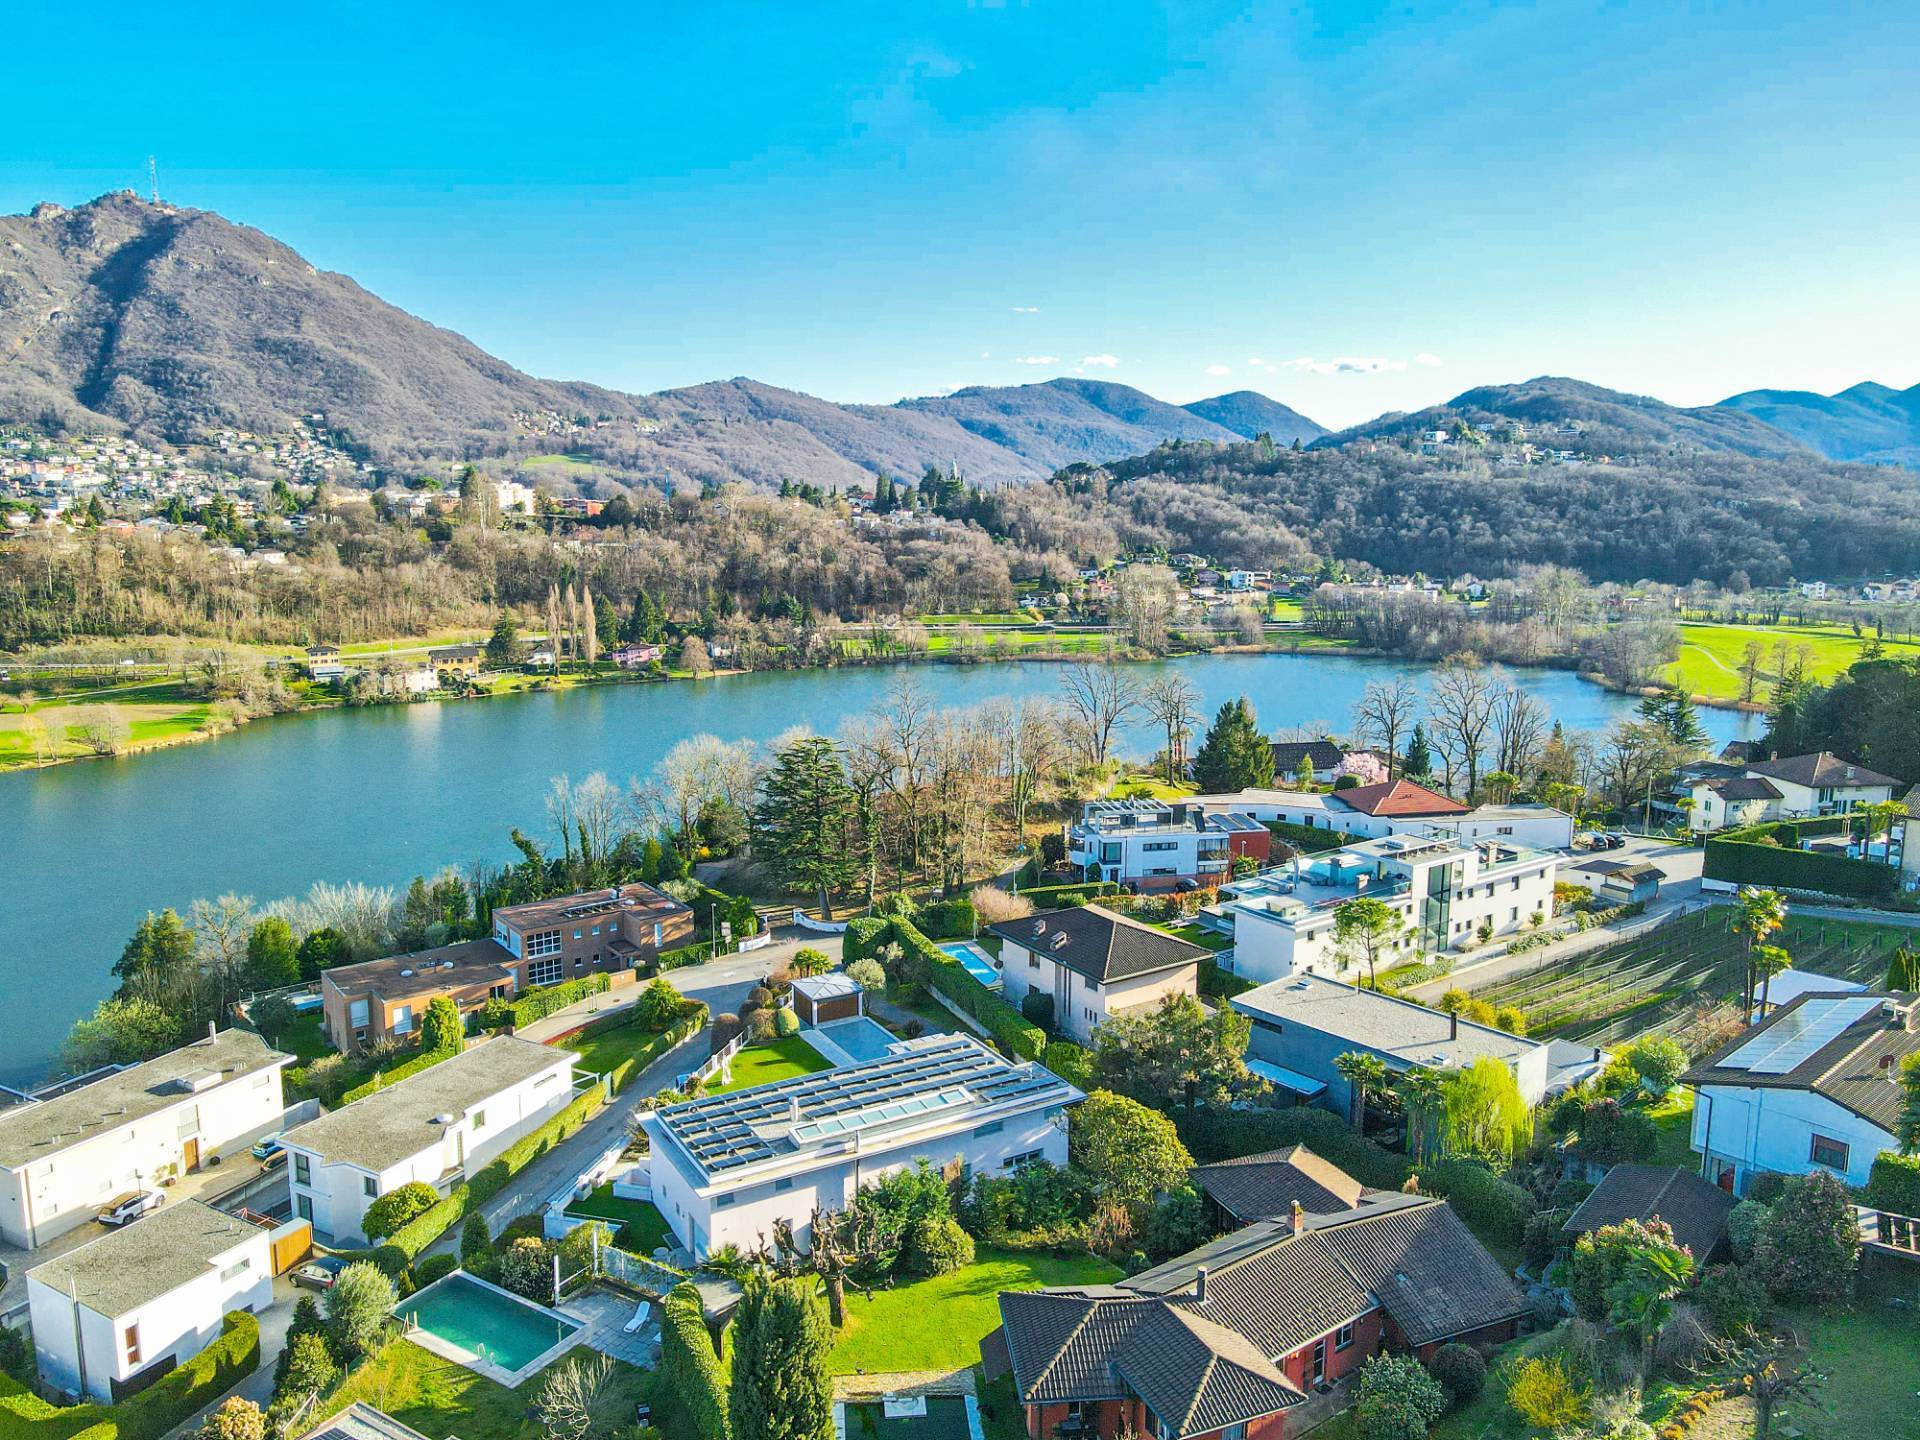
(1259, 364)
(1347, 365)
(1036, 359)
(1425, 359)
(1218, 370)
(985, 356)
(1026, 309)
(1109, 361)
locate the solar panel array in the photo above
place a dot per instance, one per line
(1798, 1036)
(724, 1132)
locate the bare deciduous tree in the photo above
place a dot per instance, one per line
(1175, 707)
(1100, 697)
(1460, 705)
(1520, 727)
(1385, 715)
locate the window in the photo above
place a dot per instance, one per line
(547, 942)
(1343, 1337)
(1830, 1153)
(993, 1127)
(302, 1170)
(720, 1202)
(371, 1186)
(1161, 845)
(303, 1206)
(784, 1183)
(1234, 1432)
(357, 1014)
(479, 1120)
(1026, 1158)
(1153, 1424)
(239, 1267)
(130, 1342)
(544, 972)
(1033, 961)
(576, 935)
(403, 1019)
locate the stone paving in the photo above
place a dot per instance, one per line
(605, 1314)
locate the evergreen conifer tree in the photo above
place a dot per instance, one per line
(1235, 755)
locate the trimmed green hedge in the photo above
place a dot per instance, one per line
(170, 1401)
(1072, 1063)
(1005, 1024)
(1492, 1207)
(420, 1232)
(1894, 1184)
(691, 1366)
(693, 1017)
(863, 937)
(696, 954)
(1735, 858)
(950, 919)
(1311, 839)
(380, 1079)
(1217, 984)
(1227, 1135)
(541, 1001)
(1054, 896)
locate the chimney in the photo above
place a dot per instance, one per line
(1453, 1025)
(1299, 1218)
(1886, 1069)
(210, 1029)
(1200, 1286)
(1596, 1054)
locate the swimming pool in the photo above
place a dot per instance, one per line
(489, 1330)
(975, 961)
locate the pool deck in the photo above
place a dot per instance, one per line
(479, 1364)
(605, 1315)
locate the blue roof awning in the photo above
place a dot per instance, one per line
(1288, 1079)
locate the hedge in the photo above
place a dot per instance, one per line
(1217, 984)
(1490, 1206)
(538, 1003)
(1072, 1063)
(421, 1231)
(696, 954)
(1894, 1184)
(1057, 895)
(1311, 838)
(380, 1079)
(691, 1366)
(1005, 1024)
(169, 1402)
(950, 919)
(1735, 858)
(863, 938)
(693, 1018)
(1227, 1135)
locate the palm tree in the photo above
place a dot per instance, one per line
(1762, 913)
(1768, 961)
(1423, 1091)
(1641, 1300)
(1364, 1072)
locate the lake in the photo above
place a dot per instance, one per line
(380, 795)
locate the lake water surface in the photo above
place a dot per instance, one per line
(380, 795)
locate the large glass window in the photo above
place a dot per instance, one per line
(544, 972)
(547, 942)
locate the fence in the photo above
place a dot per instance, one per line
(649, 1277)
(720, 1062)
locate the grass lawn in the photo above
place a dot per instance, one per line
(1868, 1351)
(1002, 617)
(303, 1039)
(158, 714)
(1673, 1122)
(774, 1060)
(938, 1324)
(1710, 655)
(611, 1047)
(574, 461)
(1198, 935)
(1001, 1415)
(649, 1227)
(441, 1399)
(1141, 785)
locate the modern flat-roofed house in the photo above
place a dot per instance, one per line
(1445, 891)
(1228, 1341)
(64, 1157)
(455, 662)
(1814, 1086)
(611, 932)
(1156, 845)
(116, 1314)
(1301, 1025)
(1094, 964)
(724, 1168)
(439, 1125)
(1398, 807)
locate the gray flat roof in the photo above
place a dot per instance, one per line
(141, 1262)
(384, 1128)
(919, 1080)
(1393, 1027)
(33, 1132)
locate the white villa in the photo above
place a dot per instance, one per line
(439, 1125)
(724, 1168)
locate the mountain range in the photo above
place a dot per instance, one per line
(170, 321)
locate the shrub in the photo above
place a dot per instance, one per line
(309, 1367)
(1611, 1134)
(1683, 1341)
(659, 1005)
(526, 1268)
(476, 1244)
(1540, 1392)
(759, 1026)
(863, 938)
(868, 975)
(1071, 1062)
(1177, 1224)
(1461, 1371)
(758, 998)
(540, 1002)
(994, 906)
(1658, 1062)
(1894, 1184)
(1490, 1206)
(936, 1245)
(237, 1418)
(950, 919)
(785, 1022)
(1743, 1227)
(1734, 1299)
(1398, 1399)
(1809, 1241)
(395, 1208)
(1037, 1006)
(1767, 1187)
(430, 1268)
(1542, 1237)
(690, 1366)
(357, 1305)
(442, 1029)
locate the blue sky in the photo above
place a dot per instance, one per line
(1351, 207)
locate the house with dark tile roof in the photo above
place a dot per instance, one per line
(1696, 1209)
(1268, 1185)
(1323, 756)
(1795, 787)
(1813, 1086)
(1094, 964)
(1233, 1339)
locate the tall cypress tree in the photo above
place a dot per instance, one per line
(803, 827)
(781, 1390)
(1419, 753)
(1235, 755)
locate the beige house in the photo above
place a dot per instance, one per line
(1093, 964)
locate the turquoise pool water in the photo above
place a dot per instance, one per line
(483, 1321)
(975, 961)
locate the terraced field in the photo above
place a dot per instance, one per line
(1669, 980)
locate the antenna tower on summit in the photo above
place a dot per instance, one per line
(153, 178)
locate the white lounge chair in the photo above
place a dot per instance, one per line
(640, 1314)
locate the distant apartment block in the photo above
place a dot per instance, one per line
(437, 1126)
(64, 1157)
(1156, 846)
(601, 932)
(1397, 807)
